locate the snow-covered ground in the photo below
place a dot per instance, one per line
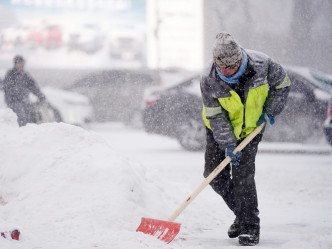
(70, 188)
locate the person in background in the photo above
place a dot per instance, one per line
(17, 86)
(241, 89)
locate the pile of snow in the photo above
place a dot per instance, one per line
(65, 187)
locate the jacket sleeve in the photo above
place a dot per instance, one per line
(7, 79)
(218, 118)
(279, 87)
(33, 87)
(7, 87)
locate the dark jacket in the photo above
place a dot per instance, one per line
(17, 86)
(260, 70)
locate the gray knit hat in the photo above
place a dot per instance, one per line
(226, 52)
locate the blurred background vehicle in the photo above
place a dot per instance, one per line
(65, 106)
(328, 123)
(87, 38)
(176, 111)
(303, 117)
(46, 36)
(126, 45)
(115, 95)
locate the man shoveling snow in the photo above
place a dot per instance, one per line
(241, 90)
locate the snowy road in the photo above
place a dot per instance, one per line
(294, 192)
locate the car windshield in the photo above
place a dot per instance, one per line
(324, 80)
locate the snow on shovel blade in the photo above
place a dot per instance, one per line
(163, 230)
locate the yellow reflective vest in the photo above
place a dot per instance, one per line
(243, 117)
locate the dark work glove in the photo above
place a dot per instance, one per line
(268, 118)
(235, 157)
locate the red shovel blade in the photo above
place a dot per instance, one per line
(163, 230)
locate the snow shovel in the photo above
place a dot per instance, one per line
(167, 230)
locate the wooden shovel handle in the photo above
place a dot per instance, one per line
(214, 173)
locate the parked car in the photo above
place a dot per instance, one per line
(328, 124)
(88, 38)
(65, 106)
(176, 111)
(49, 37)
(126, 45)
(115, 95)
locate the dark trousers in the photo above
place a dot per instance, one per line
(235, 184)
(25, 112)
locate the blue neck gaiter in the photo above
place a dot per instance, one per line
(234, 79)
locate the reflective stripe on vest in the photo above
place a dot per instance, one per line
(285, 83)
(233, 105)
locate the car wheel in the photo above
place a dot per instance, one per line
(191, 134)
